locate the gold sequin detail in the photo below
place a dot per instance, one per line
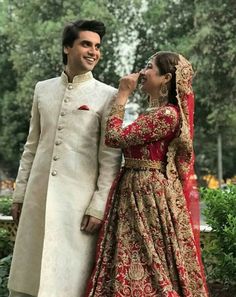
(144, 164)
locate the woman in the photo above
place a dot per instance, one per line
(149, 244)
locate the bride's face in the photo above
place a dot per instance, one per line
(151, 80)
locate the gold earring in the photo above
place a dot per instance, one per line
(164, 92)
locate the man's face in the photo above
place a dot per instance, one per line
(85, 52)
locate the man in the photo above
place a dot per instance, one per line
(65, 174)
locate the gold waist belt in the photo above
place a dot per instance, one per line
(144, 164)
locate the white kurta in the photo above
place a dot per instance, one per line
(65, 171)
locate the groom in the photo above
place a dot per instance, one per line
(65, 173)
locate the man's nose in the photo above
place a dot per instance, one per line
(92, 50)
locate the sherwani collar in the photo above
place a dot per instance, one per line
(78, 78)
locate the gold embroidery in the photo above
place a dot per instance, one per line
(148, 248)
(156, 254)
(181, 148)
(136, 271)
(144, 164)
(145, 152)
(118, 110)
(167, 111)
(149, 127)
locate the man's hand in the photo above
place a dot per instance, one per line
(90, 224)
(16, 211)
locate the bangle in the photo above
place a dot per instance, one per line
(118, 110)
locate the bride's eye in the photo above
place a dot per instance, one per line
(149, 66)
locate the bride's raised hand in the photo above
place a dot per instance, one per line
(127, 85)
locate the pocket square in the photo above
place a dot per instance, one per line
(83, 107)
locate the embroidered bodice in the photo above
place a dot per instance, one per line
(147, 138)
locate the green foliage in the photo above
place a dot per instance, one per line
(5, 264)
(220, 253)
(31, 57)
(214, 56)
(6, 248)
(204, 31)
(6, 244)
(5, 205)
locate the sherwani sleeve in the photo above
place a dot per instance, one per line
(28, 153)
(149, 127)
(109, 160)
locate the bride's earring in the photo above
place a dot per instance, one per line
(163, 97)
(164, 93)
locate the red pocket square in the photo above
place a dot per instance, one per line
(83, 107)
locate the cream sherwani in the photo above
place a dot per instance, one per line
(65, 171)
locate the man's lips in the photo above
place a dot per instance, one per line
(90, 60)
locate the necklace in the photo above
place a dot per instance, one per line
(157, 102)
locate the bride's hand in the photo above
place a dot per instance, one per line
(127, 85)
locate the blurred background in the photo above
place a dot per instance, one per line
(203, 31)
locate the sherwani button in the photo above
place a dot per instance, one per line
(55, 158)
(66, 100)
(63, 113)
(60, 128)
(70, 87)
(58, 142)
(54, 173)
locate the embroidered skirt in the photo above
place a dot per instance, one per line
(146, 246)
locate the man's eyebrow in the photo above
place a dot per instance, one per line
(89, 42)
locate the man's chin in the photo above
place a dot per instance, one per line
(90, 67)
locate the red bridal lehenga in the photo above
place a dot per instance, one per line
(149, 243)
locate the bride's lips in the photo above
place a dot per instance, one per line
(143, 80)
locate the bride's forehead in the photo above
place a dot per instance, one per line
(150, 60)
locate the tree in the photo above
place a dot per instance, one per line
(213, 52)
(8, 84)
(32, 57)
(202, 31)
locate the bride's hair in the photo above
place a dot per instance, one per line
(166, 62)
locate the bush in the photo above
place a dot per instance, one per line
(6, 245)
(219, 254)
(5, 205)
(5, 264)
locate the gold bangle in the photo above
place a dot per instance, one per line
(118, 110)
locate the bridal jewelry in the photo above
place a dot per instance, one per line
(162, 99)
(164, 92)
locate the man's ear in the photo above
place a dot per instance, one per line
(66, 50)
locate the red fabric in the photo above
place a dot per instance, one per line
(190, 187)
(146, 218)
(83, 107)
(147, 246)
(102, 230)
(189, 180)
